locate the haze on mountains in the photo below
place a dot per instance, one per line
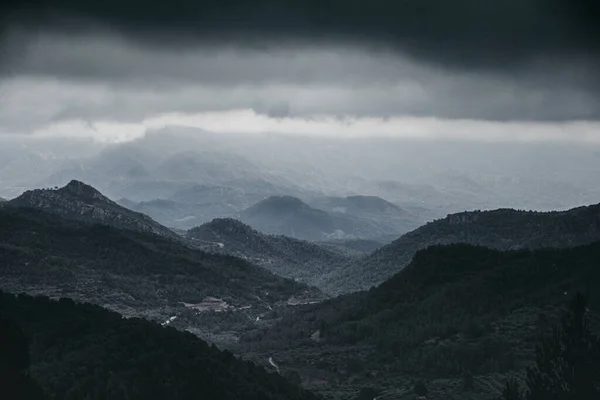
(299, 199)
(304, 99)
(186, 177)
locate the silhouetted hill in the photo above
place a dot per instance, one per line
(134, 272)
(81, 351)
(282, 255)
(502, 229)
(79, 201)
(455, 311)
(290, 216)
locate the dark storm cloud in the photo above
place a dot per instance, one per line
(125, 61)
(463, 33)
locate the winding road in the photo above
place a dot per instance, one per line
(274, 365)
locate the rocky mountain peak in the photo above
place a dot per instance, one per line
(83, 202)
(80, 189)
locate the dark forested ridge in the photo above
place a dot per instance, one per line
(502, 229)
(79, 201)
(127, 270)
(455, 311)
(282, 255)
(81, 351)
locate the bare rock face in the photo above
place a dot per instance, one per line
(79, 201)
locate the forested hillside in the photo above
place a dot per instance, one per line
(282, 255)
(501, 229)
(81, 351)
(126, 270)
(455, 311)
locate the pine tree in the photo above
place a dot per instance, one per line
(567, 361)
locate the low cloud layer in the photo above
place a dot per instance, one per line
(107, 78)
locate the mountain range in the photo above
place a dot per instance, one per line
(462, 317)
(194, 204)
(325, 218)
(426, 179)
(290, 216)
(503, 229)
(458, 302)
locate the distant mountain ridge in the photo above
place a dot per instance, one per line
(502, 229)
(358, 202)
(282, 255)
(80, 201)
(290, 216)
(195, 204)
(388, 217)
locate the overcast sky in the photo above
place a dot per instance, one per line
(502, 70)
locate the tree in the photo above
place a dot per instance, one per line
(567, 361)
(14, 364)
